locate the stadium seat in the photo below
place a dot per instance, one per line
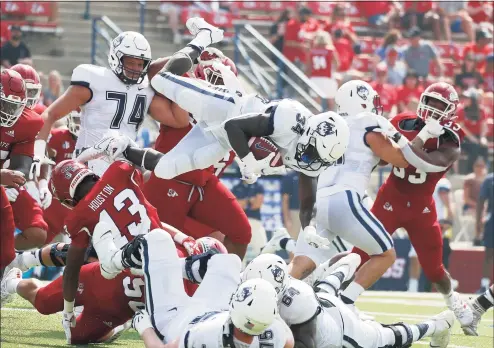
(30, 15)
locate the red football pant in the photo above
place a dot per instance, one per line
(96, 319)
(218, 208)
(7, 225)
(27, 212)
(420, 221)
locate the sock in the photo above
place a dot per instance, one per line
(413, 285)
(117, 261)
(485, 282)
(32, 258)
(449, 298)
(288, 244)
(201, 41)
(349, 296)
(486, 300)
(12, 285)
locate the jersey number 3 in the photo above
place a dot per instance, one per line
(137, 114)
(418, 178)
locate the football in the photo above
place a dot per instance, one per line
(262, 147)
(205, 244)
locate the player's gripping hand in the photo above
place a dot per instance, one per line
(432, 129)
(386, 128)
(68, 319)
(251, 167)
(12, 178)
(12, 194)
(141, 321)
(45, 195)
(313, 239)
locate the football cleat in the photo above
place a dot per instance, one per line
(197, 24)
(7, 297)
(444, 322)
(273, 245)
(477, 311)
(196, 272)
(462, 311)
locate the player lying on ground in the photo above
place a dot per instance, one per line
(119, 97)
(212, 317)
(115, 198)
(227, 117)
(99, 321)
(322, 320)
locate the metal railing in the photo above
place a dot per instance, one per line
(103, 32)
(277, 74)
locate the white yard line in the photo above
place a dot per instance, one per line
(404, 294)
(403, 301)
(414, 316)
(19, 309)
(449, 345)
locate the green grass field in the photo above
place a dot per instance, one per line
(23, 327)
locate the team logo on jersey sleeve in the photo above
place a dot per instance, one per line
(325, 128)
(242, 296)
(362, 92)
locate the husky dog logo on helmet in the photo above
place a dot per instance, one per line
(325, 128)
(241, 296)
(118, 40)
(362, 92)
(278, 274)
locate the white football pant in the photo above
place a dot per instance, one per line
(168, 305)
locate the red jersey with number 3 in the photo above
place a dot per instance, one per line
(118, 200)
(410, 181)
(320, 60)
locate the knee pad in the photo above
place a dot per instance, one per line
(57, 255)
(208, 155)
(169, 166)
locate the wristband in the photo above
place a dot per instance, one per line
(68, 306)
(399, 139)
(180, 237)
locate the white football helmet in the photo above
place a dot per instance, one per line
(254, 306)
(74, 123)
(325, 140)
(269, 267)
(356, 96)
(129, 44)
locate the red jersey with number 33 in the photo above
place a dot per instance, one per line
(118, 200)
(320, 60)
(411, 181)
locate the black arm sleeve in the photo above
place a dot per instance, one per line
(304, 334)
(307, 193)
(242, 129)
(21, 163)
(136, 154)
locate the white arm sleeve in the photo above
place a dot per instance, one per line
(419, 163)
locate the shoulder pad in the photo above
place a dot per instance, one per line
(299, 303)
(87, 73)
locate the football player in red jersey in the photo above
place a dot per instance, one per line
(199, 194)
(115, 199)
(18, 128)
(405, 199)
(60, 146)
(98, 321)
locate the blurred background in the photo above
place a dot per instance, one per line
(305, 50)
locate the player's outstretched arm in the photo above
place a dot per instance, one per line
(385, 150)
(75, 260)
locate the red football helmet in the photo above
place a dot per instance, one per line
(65, 178)
(205, 71)
(33, 83)
(13, 95)
(439, 101)
(205, 244)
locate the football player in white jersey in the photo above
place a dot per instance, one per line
(212, 317)
(318, 319)
(341, 188)
(119, 97)
(227, 117)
